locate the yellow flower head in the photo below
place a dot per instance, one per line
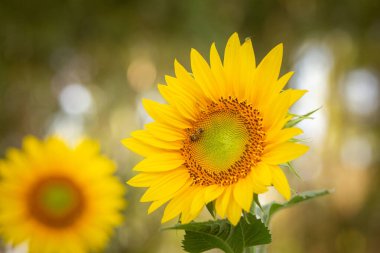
(221, 135)
(57, 198)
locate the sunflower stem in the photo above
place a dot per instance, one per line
(250, 250)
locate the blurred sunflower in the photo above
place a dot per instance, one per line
(58, 199)
(221, 135)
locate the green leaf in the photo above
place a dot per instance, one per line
(196, 242)
(237, 240)
(299, 118)
(256, 233)
(203, 236)
(272, 208)
(257, 202)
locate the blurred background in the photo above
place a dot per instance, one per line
(80, 68)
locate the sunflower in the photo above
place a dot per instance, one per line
(57, 198)
(221, 136)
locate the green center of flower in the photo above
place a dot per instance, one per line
(58, 198)
(56, 201)
(224, 144)
(222, 141)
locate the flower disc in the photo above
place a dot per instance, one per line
(219, 141)
(56, 201)
(221, 136)
(224, 143)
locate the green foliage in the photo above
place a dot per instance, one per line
(270, 209)
(249, 232)
(203, 236)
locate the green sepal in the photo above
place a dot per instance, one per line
(298, 118)
(257, 201)
(289, 166)
(211, 208)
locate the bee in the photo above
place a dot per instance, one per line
(196, 135)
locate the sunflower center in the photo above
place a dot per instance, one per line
(56, 201)
(224, 143)
(221, 142)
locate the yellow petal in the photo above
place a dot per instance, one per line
(266, 76)
(55, 143)
(280, 182)
(190, 212)
(172, 210)
(284, 152)
(144, 179)
(157, 204)
(185, 81)
(198, 201)
(33, 147)
(247, 51)
(231, 64)
(164, 132)
(141, 148)
(176, 205)
(261, 173)
(187, 217)
(295, 95)
(257, 186)
(203, 75)
(222, 202)
(182, 103)
(233, 211)
(146, 137)
(160, 162)
(283, 81)
(276, 111)
(218, 71)
(247, 68)
(179, 86)
(243, 193)
(165, 114)
(276, 128)
(88, 145)
(188, 89)
(212, 192)
(166, 186)
(282, 136)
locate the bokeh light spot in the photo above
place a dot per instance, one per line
(361, 90)
(75, 99)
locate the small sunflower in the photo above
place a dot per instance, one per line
(58, 199)
(220, 137)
